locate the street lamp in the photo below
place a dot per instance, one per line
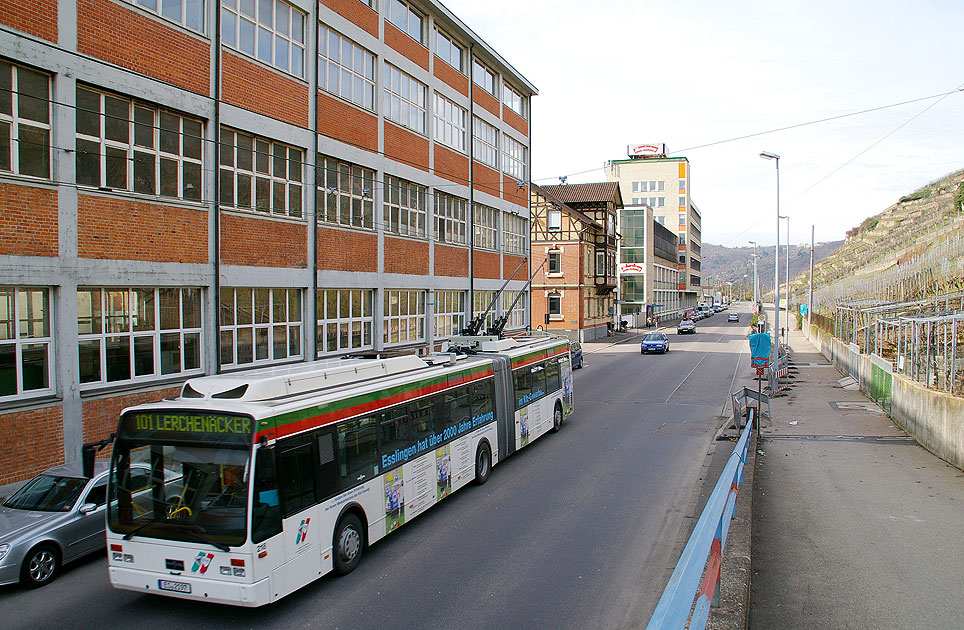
(776, 263)
(756, 288)
(787, 217)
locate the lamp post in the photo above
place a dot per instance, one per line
(787, 217)
(756, 285)
(810, 292)
(776, 264)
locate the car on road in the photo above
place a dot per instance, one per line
(733, 317)
(575, 352)
(56, 517)
(654, 342)
(685, 326)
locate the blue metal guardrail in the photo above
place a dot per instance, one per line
(704, 549)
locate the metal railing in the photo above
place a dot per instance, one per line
(704, 550)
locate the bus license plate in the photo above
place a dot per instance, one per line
(177, 587)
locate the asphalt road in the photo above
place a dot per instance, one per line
(576, 531)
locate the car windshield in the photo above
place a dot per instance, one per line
(653, 337)
(47, 493)
(179, 491)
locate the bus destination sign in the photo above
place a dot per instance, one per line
(187, 425)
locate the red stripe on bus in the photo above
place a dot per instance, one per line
(347, 412)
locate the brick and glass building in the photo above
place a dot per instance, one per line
(651, 179)
(574, 233)
(192, 186)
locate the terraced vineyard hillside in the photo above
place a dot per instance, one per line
(913, 249)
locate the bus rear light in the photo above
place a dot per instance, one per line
(262, 554)
(237, 562)
(114, 547)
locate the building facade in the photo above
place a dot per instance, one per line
(664, 184)
(574, 235)
(197, 186)
(648, 269)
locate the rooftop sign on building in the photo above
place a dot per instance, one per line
(638, 151)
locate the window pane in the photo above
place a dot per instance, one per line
(170, 353)
(89, 356)
(145, 171)
(227, 347)
(191, 308)
(261, 303)
(142, 309)
(34, 313)
(8, 369)
(261, 343)
(116, 125)
(34, 151)
(192, 351)
(88, 312)
(169, 301)
(118, 358)
(244, 306)
(143, 356)
(168, 178)
(88, 112)
(33, 104)
(116, 168)
(170, 141)
(245, 345)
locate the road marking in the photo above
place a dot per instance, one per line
(686, 377)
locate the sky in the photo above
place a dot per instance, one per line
(691, 73)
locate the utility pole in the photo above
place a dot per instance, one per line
(788, 278)
(810, 293)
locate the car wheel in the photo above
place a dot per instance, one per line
(483, 463)
(40, 566)
(349, 544)
(556, 418)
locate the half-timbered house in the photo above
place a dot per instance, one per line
(574, 231)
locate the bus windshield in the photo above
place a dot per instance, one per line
(179, 486)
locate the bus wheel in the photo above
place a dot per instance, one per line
(557, 418)
(348, 544)
(483, 464)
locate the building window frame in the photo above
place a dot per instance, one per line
(345, 320)
(448, 50)
(273, 26)
(515, 232)
(486, 224)
(554, 305)
(407, 20)
(517, 318)
(260, 175)
(269, 318)
(404, 316)
(554, 220)
(513, 158)
(450, 123)
(190, 13)
(554, 263)
(513, 99)
(449, 313)
(450, 218)
(344, 193)
(24, 121)
(483, 77)
(404, 99)
(480, 302)
(26, 342)
(485, 139)
(351, 79)
(134, 146)
(405, 207)
(134, 334)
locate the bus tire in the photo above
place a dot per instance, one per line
(349, 543)
(483, 463)
(556, 418)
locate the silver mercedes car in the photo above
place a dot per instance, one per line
(56, 517)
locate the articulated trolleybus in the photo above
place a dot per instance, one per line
(258, 482)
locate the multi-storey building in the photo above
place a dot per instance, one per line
(574, 234)
(663, 183)
(192, 186)
(648, 269)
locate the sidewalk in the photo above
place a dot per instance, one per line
(854, 524)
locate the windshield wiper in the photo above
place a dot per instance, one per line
(196, 530)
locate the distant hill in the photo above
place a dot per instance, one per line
(732, 264)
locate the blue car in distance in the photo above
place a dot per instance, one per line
(575, 351)
(654, 342)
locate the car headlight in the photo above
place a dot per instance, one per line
(4, 548)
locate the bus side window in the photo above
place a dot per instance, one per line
(395, 431)
(266, 516)
(553, 382)
(454, 409)
(522, 387)
(327, 465)
(357, 451)
(482, 396)
(422, 414)
(297, 472)
(537, 381)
